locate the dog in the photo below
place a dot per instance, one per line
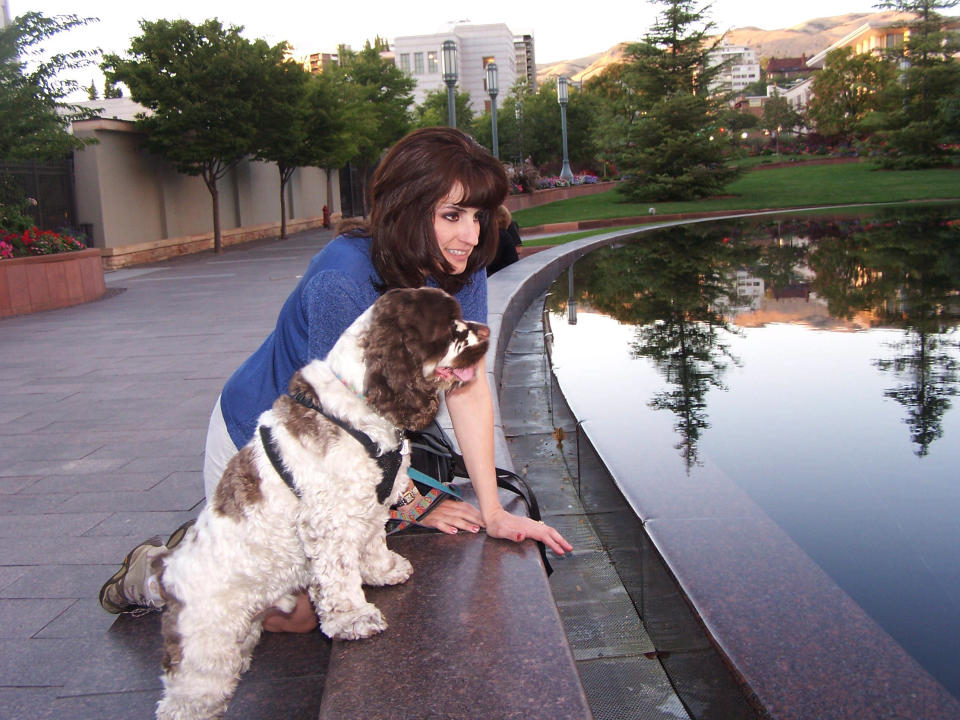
(304, 504)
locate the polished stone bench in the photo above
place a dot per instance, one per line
(474, 633)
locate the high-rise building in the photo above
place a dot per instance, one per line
(4, 14)
(526, 60)
(477, 45)
(740, 67)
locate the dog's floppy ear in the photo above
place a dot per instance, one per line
(408, 328)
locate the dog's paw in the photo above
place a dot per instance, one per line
(389, 569)
(354, 625)
(398, 573)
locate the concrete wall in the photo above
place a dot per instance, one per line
(131, 197)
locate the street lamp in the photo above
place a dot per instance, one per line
(448, 58)
(563, 99)
(518, 115)
(493, 89)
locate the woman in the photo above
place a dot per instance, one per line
(433, 199)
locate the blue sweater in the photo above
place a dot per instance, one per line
(337, 287)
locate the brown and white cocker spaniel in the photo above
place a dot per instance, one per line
(305, 502)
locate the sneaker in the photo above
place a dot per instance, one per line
(178, 534)
(127, 590)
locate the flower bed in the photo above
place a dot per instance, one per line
(46, 282)
(34, 241)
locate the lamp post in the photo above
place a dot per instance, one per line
(448, 57)
(518, 115)
(493, 89)
(563, 99)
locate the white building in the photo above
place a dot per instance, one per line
(4, 14)
(740, 67)
(477, 45)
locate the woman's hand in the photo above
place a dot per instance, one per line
(451, 516)
(513, 527)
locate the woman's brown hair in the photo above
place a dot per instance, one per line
(416, 174)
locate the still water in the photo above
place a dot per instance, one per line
(816, 362)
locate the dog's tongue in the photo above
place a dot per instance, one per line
(462, 374)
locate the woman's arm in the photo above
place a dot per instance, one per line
(471, 410)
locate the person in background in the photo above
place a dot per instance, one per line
(507, 242)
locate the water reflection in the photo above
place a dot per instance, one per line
(688, 290)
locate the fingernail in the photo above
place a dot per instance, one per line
(475, 528)
(453, 531)
(519, 537)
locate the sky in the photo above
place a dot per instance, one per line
(562, 29)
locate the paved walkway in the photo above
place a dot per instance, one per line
(103, 413)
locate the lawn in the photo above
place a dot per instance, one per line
(790, 187)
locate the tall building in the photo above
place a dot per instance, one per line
(740, 67)
(477, 45)
(526, 60)
(4, 14)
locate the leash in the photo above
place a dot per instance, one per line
(389, 462)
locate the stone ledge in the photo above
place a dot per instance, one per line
(139, 253)
(474, 633)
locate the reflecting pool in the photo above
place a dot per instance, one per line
(814, 361)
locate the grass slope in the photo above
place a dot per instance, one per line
(799, 186)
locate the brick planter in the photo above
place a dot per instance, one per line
(47, 282)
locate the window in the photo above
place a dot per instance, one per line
(405, 62)
(432, 66)
(418, 63)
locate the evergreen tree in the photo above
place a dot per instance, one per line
(674, 148)
(92, 93)
(918, 133)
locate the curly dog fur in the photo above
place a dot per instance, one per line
(259, 540)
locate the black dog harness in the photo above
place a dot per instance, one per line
(389, 462)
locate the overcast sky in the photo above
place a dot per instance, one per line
(563, 30)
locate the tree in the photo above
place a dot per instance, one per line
(203, 85)
(778, 117)
(848, 89)
(674, 147)
(34, 115)
(281, 135)
(110, 90)
(387, 93)
(540, 122)
(432, 112)
(917, 133)
(92, 93)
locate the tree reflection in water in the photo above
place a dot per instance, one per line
(678, 285)
(675, 286)
(908, 275)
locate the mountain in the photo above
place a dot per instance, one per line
(808, 38)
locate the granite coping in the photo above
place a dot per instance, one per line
(802, 647)
(474, 633)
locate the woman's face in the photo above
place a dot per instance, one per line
(457, 229)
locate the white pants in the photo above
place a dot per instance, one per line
(218, 451)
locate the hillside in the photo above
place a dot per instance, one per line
(807, 38)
